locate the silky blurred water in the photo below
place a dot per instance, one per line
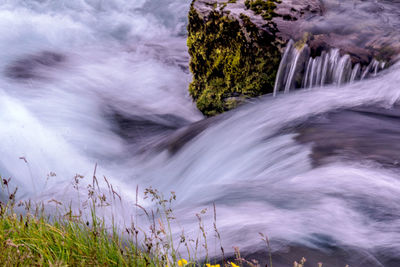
(105, 82)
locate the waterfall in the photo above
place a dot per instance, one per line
(299, 70)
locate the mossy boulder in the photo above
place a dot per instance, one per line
(236, 45)
(235, 51)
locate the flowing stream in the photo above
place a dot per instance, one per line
(298, 70)
(86, 82)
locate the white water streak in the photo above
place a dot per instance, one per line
(329, 68)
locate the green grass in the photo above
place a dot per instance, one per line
(36, 240)
(79, 237)
(69, 237)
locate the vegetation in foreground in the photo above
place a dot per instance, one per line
(30, 237)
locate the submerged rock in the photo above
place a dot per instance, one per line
(33, 66)
(236, 45)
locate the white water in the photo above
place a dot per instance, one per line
(129, 57)
(119, 56)
(298, 70)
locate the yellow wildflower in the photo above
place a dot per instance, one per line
(234, 265)
(182, 262)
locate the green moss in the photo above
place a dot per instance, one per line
(229, 60)
(303, 41)
(265, 8)
(232, 1)
(223, 6)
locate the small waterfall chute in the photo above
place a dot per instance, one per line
(299, 70)
(292, 61)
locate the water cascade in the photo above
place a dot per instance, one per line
(299, 70)
(95, 83)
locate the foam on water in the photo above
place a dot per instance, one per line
(262, 180)
(117, 56)
(129, 58)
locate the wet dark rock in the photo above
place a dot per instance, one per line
(30, 66)
(156, 132)
(330, 255)
(369, 134)
(145, 129)
(183, 136)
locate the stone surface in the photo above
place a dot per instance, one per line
(236, 45)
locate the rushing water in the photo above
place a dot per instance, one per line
(298, 70)
(90, 81)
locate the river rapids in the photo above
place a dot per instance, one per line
(87, 83)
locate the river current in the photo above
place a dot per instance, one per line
(92, 82)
